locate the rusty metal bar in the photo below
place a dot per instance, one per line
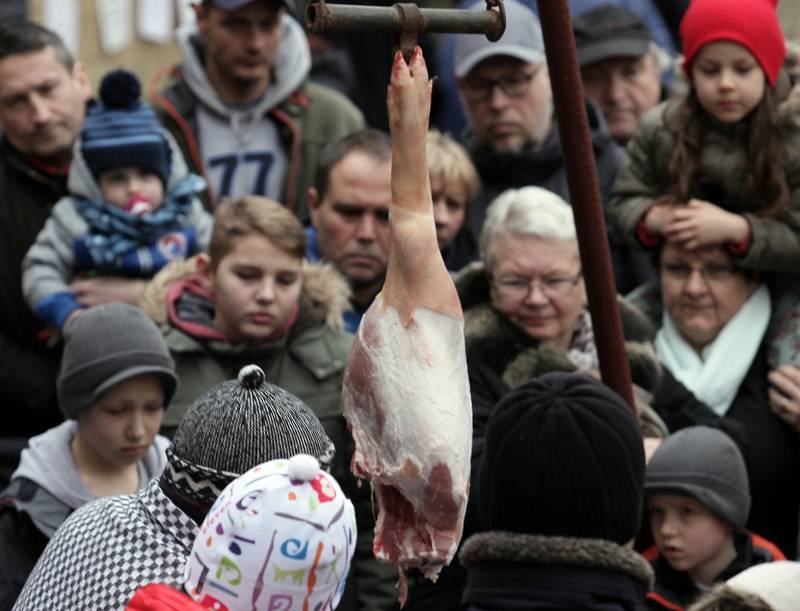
(321, 17)
(576, 145)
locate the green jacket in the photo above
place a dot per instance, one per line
(309, 119)
(774, 241)
(309, 361)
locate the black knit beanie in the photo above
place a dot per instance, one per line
(564, 457)
(235, 426)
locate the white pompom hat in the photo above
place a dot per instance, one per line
(776, 583)
(281, 536)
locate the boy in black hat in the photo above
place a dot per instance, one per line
(698, 498)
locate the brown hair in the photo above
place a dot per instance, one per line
(250, 215)
(20, 37)
(765, 184)
(450, 162)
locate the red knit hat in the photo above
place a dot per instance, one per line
(751, 23)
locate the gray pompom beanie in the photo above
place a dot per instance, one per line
(108, 344)
(703, 463)
(235, 426)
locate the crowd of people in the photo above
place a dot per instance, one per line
(182, 277)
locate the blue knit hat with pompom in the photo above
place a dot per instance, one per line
(121, 131)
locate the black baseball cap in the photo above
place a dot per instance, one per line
(609, 31)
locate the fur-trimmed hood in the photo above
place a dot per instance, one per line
(506, 548)
(519, 358)
(323, 300)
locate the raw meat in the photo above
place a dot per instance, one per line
(406, 391)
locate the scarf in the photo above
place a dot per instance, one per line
(190, 308)
(583, 351)
(113, 232)
(715, 377)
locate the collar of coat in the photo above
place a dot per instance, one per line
(499, 547)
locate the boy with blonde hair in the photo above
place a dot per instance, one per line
(253, 299)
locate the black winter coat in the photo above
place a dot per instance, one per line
(27, 365)
(533, 572)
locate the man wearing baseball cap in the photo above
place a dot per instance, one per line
(511, 133)
(240, 104)
(621, 66)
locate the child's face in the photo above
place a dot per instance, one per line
(256, 287)
(728, 80)
(120, 184)
(449, 210)
(689, 536)
(121, 425)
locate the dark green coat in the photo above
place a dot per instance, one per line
(308, 362)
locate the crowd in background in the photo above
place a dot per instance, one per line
(182, 275)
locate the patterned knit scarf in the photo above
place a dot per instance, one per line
(113, 232)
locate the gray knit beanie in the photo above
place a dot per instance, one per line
(703, 463)
(235, 426)
(108, 344)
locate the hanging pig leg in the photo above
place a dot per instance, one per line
(406, 393)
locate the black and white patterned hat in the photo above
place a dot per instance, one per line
(235, 426)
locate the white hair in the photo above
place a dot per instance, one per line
(530, 211)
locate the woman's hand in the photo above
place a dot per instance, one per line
(699, 224)
(784, 394)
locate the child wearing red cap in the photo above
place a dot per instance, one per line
(720, 165)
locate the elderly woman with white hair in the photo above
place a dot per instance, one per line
(525, 304)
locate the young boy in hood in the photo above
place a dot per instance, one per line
(132, 206)
(116, 380)
(698, 498)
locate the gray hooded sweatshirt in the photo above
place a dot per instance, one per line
(241, 146)
(48, 463)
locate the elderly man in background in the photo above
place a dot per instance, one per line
(512, 136)
(621, 66)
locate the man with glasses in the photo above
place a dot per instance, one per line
(505, 90)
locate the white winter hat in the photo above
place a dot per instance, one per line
(776, 583)
(281, 536)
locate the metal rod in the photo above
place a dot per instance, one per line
(576, 143)
(321, 17)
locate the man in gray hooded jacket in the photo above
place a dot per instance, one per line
(241, 107)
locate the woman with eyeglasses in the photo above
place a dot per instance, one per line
(713, 320)
(525, 305)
